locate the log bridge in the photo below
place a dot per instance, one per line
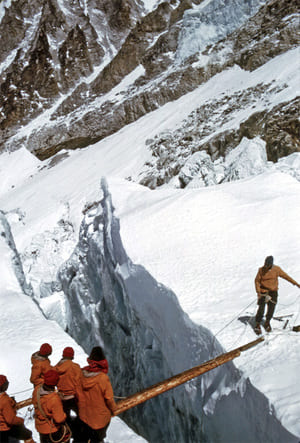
(172, 382)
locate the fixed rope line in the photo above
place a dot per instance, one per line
(289, 304)
(227, 324)
(21, 392)
(234, 318)
(172, 382)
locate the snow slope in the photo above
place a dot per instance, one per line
(206, 244)
(23, 328)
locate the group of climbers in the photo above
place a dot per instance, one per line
(87, 392)
(59, 390)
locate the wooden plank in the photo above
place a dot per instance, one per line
(181, 378)
(23, 403)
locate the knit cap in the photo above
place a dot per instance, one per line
(45, 350)
(68, 352)
(269, 261)
(51, 377)
(3, 380)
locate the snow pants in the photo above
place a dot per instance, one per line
(56, 436)
(16, 432)
(271, 307)
(68, 406)
(86, 434)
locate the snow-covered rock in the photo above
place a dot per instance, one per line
(290, 165)
(247, 159)
(200, 170)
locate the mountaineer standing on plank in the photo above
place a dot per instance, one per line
(96, 398)
(11, 425)
(266, 285)
(40, 364)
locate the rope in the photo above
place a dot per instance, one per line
(21, 392)
(66, 428)
(234, 318)
(227, 324)
(290, 304)
(240, 336)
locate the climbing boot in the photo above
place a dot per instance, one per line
(267, 326)
(257, 329)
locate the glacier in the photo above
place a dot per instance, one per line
(147, 337)
(247, 160)
(182, 238)
(5, 233)
(211, 21)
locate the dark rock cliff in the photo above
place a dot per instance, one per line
(55, 51)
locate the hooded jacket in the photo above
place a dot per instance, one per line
(70, 375)
(40, 365)
(269, 281)
(8, 416)
(96, 399)
(52, 406)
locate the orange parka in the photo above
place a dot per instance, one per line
(269, 280)
(8, 416)
(51, 404)
(69, 378)
(96, 399)
(40, 365)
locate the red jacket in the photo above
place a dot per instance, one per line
(40, 365)
(70, 375)
(51, 404)
(8, 416)
(96, 399)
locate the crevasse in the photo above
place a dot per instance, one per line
(147, 338)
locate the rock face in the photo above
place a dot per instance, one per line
(49, 46)
(148, 338)
(61, 60)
